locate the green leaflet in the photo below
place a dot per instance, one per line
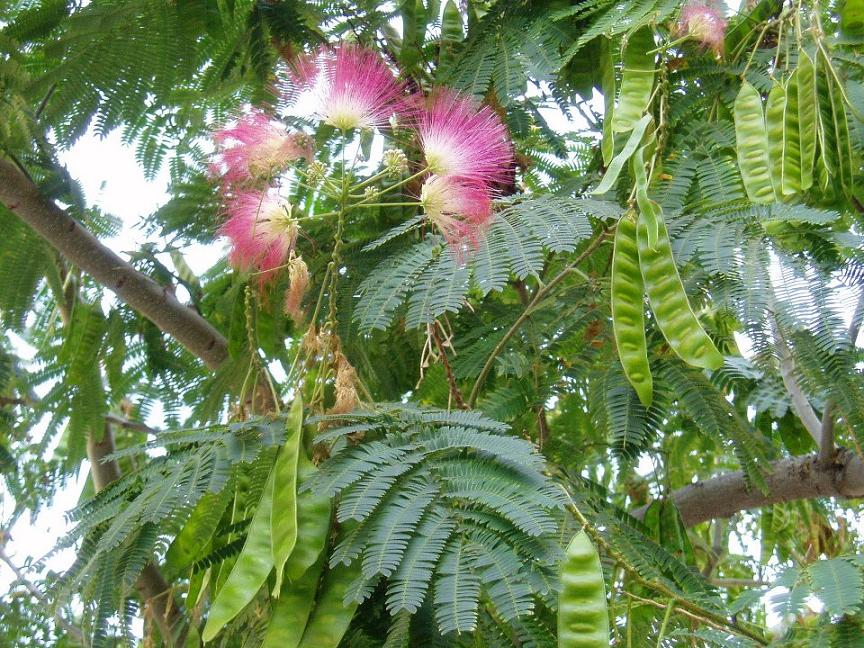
(805, 78)
(292, 610)
(583, 620)
(283, 517)
(313, 524)
(628, 309)
(775, 122)
(614, 169)
(648, 208)
(672, 311)
(250, 571)
(752, 144)
(637, 80)
(330, 617)
(792, 168)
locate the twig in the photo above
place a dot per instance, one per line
(455, 392)
(73, 631)
(538, 297)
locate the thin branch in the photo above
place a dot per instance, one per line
(826, 446)
(136, 289)
(530, 308)
(455, 392)
(800, 403)
(738, 582)
(794, 478)
(73, 631)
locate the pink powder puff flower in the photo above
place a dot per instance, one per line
(460, 139)
(704, 23)
(460, 208)
(352, 85)
(262, 231)
(255, 148)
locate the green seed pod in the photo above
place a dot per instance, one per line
(792, 128)
(291, 611)
(313, 525)
(283, 517)
(250, 571)
(672, 311)
(637, 80)
(650, 214)
(775, 118)
(628, 309)
(583, 619)
(752, 144)
(618, 162)
(331, 617)
(607, 84)
(805, 76)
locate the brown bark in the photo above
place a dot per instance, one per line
(152, 587)
(789, 479)
(136, 289)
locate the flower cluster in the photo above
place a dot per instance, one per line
(704, 23)
(467, 151)
(465, 147)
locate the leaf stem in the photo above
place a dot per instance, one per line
(530, 308)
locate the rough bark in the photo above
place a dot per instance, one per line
(152, 587)
(789, 479)
(136, 289)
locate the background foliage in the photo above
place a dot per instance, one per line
(448, 524)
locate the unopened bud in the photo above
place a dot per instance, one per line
(395, 162)
(315, 173)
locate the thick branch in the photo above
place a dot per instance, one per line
(151, 586)
(790, 479)
(80, 247)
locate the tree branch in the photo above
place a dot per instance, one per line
(789, 479)
(800, 404)
(826, 447)
(136, 289)
(151, 585)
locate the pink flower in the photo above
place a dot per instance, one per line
(353, 86)
(255, 148)
(460, 208)
(262, 231)
(704, 23)
(460, 139)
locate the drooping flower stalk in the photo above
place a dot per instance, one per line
(256, 148)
